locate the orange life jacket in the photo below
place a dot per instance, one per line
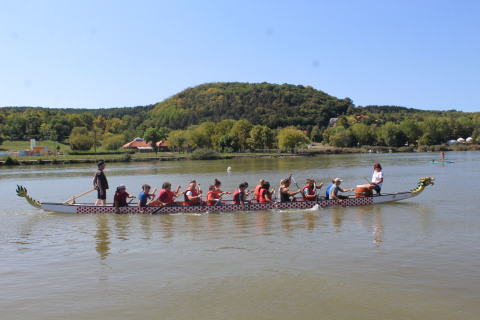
(194, 194)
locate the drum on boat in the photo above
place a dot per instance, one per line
(363, 191)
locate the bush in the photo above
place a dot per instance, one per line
(9, 161)
(204, 154)
(126, 158)
(83, 153)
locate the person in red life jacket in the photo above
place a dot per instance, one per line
(240, 196)
(265, 194)
(193, 194)
(120, 198)
(310, 189)
(256, 193)
(166, 197)
(284, 190)
(212, 196)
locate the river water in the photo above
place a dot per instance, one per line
(415, 259)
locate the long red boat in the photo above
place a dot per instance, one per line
(227, 206)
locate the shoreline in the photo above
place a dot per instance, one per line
(15, 161)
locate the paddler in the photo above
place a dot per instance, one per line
(336, 189)
(309, 191)
(256, 192)
(166, 197)
(121, 196)
(144, 196)
(284, 190)
(266, 194)
(240, 196)
(193, 194)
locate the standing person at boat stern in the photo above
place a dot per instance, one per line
(100, 183)
(377, 178)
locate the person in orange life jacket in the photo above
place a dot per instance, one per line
(120, 198)
(240, 196)
(212, 196)
(336, 188)
(215, 194)
(144, 196)
(219, 192)
(284, 190)
(166, 197)
(193, 195)
(256, 193)
(309, 190)
(265, 194)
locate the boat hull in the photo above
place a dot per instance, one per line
(91, 209)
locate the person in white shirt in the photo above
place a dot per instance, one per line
(377, 178)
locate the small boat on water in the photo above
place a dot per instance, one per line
(360, 199)
(440, 162)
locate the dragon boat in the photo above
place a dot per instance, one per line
(359, 199)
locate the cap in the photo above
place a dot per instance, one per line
(377, 165)
(122, 186)
(337, 179)
(100, 163)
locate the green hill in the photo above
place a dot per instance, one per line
(261, 103)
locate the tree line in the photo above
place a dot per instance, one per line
(231, 117)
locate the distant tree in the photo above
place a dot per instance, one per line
(316, 134)
(291, 138)
(112, 141)
(153, 135)
(341, 137)
(362, 133)
(241, 132)
(391, 135)
(411, 129)
(81, 139)
(177, 139)
(261, 137)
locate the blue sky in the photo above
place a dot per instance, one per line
(99, 54)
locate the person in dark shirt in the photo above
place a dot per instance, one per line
(100, 183)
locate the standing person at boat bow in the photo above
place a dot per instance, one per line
(193, 194)
(336, 189)
(377, 178)
(120, 198)
(309, 191)
(284, 190)
(100, 183)
(265, 194)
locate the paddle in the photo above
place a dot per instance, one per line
(75, 197)
(295, 182)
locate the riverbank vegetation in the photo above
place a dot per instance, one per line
(238, 117)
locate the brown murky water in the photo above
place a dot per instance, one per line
(416, 259)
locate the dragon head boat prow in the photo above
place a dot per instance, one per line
(424, 182)
(22, 192)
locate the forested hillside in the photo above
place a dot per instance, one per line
(262, 103)
(240, 116)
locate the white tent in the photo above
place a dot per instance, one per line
(460, 140)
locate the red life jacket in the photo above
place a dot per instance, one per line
(165, 197)
(256, 193)
(194, 194)
(236, 196)
(310, 192)
(263, 194)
